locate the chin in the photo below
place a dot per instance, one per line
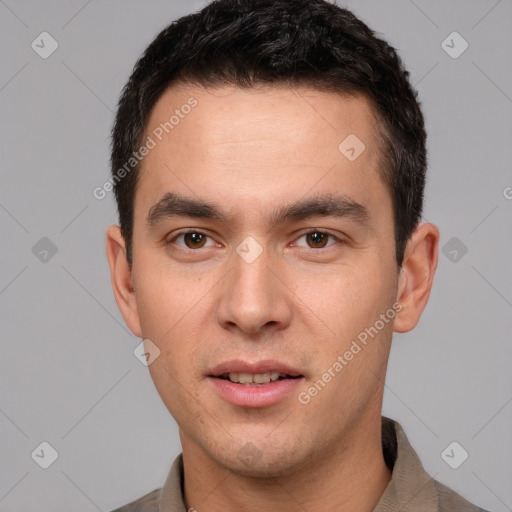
(264, 468)
(257, 461)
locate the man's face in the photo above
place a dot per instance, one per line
(248, 290)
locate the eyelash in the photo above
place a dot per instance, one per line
(187, 231)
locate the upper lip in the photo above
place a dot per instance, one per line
(265, 366)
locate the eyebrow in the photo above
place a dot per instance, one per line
(338, 206)
(175, 205)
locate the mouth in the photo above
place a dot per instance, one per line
(254, 384)
(257, 379)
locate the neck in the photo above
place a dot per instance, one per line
(351, 477)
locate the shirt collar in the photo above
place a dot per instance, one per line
(411, 487)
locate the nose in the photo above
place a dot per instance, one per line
(253, 298)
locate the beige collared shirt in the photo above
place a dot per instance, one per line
(410, 488)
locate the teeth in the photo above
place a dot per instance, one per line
(258, 378)
(245, 378)
(261, 378)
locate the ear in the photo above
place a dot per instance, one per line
(416, 276)
(121, 279)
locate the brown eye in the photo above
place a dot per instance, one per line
(194, 240)
(317, 239)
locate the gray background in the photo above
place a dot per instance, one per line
(68, 373)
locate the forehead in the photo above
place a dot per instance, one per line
(261, 144)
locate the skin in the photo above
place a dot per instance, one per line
(249, 152)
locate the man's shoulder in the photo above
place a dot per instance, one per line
(148, 503)
(410, 483)
(450, 501)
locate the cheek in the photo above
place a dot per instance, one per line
(173, 389)
(349, 299)
(164, 300)
(172, 310)
(165, 312)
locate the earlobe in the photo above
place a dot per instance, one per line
(416, 276)
(121, 279)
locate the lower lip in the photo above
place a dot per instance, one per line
(247, 395)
